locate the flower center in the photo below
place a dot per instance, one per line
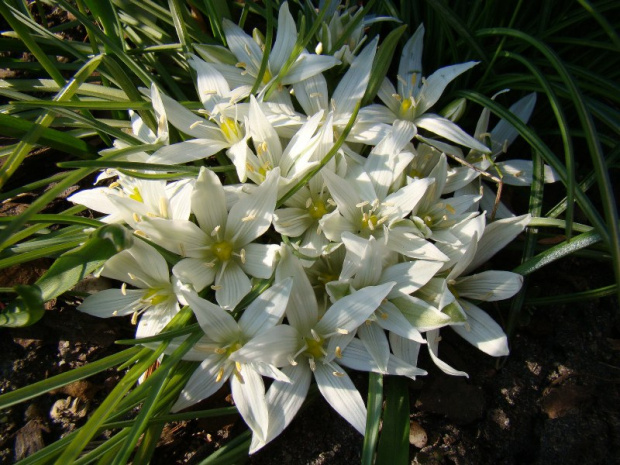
(406, 108)
(230, 129)
(222, 250)
(154, 296)
(315, 348)
(317, 209)
(136, 195)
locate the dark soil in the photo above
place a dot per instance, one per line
(554, 400)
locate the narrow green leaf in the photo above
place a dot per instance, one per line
(11, 126)
(41, 387)
(611, 231)
(25, 310)
(74, 266)
(97, 419)
(382, 62)
(373, 418)
(33, 135)
(394, 440)
(559, 251)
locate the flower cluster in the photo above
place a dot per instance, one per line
(368, 234)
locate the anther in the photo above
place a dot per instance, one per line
(250, 217)
(342, 331)
(215, 231)
(136, 217)
(216, 288)
(124, 289)
(338, 352)
(315, 335)
(194, 124)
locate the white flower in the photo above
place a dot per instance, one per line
(323, 341)
(130, 199)
(416, 95)
(249, 56)
(155, 296)
(241, 351)
(221, 248)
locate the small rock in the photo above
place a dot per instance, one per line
(564, 400)
(417, 435)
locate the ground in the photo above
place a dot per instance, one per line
(553, 400)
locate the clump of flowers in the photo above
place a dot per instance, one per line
(365, 234)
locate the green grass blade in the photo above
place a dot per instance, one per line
(394, 440)
(537, 144)
(559, 251)
(97, 419)
(55, 382)
(382, 62)
(610, 231)
(373, 418)
(569, 156)
(32, 136)
(605, 291)
(11, 126)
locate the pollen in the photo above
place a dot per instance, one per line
(220, 374)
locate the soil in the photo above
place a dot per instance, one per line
(555, 399)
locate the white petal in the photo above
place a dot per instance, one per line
(505, 133)
(496, 236)
(447, 129)
(285, 39)
(409, 276)
(181, 237)
(356, 357)
(183, 152)
(112, 302)
(405, 349)
(410, 66)
(334, 225)
(251, 216)
(353, 84)
(195, 271)
(432, 339)
(342, 395)
(482, 331)
(249, 396)
(189, 123)
(489, 286)
(400, 203)
(284, 401)
(374, 339)
(351, 311)
(363, 259)
(420, 314)
(217, 323)
(266, 310)
(231, 285)
(273, 346)
(390, 317)
(436, 83)
(210, 82)
(202, 383)
(307, 66)
(292, 222)
(209, 201)
(311, 94)
(260, 259)
(156, 318)
(245, 49)
(404, 242)
(302, 310)
(262, 132)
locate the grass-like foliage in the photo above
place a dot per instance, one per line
(292, 191)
